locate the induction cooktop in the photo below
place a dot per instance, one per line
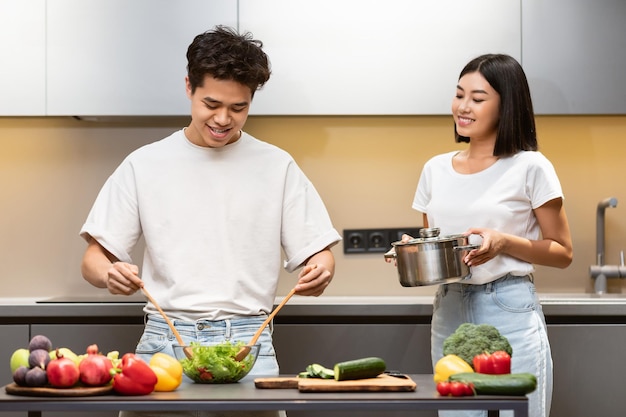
(95, 299)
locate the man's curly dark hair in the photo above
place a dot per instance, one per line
(227, 55)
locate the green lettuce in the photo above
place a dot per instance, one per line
(216, 364)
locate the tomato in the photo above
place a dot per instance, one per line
(459, 389)
(443, 388)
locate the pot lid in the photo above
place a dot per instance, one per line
(429, 232)
(428, 235)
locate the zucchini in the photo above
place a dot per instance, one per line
(503, 384)
(359, 369)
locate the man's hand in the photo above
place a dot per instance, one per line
(317, 274)
(123, 278)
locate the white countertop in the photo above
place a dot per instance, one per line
(546, 298)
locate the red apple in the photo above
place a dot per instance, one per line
(62, 372)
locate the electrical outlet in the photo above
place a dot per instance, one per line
(374, 240)
(354, 241)
(377, 241)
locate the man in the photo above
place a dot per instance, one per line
(217, 208)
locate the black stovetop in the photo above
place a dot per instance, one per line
(94, 299)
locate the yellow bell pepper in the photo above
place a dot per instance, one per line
(450, 365)
(168, 370)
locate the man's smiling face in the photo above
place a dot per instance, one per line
(219, 109)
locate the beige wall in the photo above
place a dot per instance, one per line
(366, 169)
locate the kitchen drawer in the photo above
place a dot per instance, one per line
(15, 336)
(77, 337)
(405, 347)
(589, 369)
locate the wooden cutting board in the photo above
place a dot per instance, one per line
(380, 383)
(78, 391)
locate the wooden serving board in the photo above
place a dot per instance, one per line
(277, 382)
(78, 391)
(380, 383)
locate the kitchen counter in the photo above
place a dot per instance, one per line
(328, 329)
(24, 310)
(243, 396)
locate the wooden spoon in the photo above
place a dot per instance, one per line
(188, 351)
(243, 352)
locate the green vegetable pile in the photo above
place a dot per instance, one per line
(469, 340)
(216, 364)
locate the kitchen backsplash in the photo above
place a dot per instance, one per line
(365, 168)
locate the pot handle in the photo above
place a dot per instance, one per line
(391, 254)
(466, 247)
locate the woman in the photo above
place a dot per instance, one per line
(506, 196)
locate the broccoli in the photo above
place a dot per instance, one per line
(469, 340)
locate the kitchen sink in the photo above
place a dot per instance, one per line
(582, 298)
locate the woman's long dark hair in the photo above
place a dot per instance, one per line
(516, 126)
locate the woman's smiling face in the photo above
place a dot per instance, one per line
(219, 109)
(476, 107)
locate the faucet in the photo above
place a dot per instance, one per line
(602, 205)
(600, 272)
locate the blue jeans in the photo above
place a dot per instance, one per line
(512, 306)
(157, 337)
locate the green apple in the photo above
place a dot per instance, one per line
(19, 358)
(66, 353)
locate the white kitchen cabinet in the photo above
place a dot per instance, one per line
(23, 57)
(574, 54)
(119, 57)
(372, 57)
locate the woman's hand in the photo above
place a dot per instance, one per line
(405, 238)
(493, 244)
(553, 249)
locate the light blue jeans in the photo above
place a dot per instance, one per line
(512, 306)
(157, 337)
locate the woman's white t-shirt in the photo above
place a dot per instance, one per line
(501, 197)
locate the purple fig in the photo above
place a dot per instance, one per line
(19, 376)
(39, 358)
(36, 377)
(40, 342)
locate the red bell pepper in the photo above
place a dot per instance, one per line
(133, 376)
(498, 362)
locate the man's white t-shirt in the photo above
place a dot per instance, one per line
(214, 221)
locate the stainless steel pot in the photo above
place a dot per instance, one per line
(431, 259)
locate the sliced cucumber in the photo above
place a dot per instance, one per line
(315, 370)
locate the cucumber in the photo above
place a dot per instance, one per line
(503, 384)
(359, 369)
(315, 370)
